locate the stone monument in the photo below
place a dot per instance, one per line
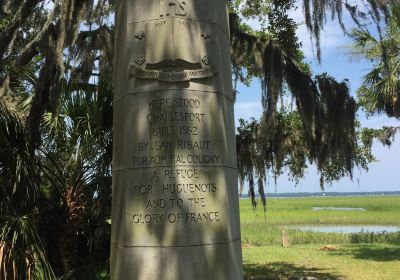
(175, 209)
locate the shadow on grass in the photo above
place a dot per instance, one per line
(286, 271)
(378, 254)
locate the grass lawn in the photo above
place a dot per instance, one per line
(264, 258)
(360, 261)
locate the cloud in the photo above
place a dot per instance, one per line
(247, 109)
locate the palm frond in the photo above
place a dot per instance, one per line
(18, 165)
(22, 255)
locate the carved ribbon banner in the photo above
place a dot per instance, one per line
(173, 76)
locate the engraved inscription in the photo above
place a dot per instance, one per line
(180, 188)
(174, 180)
(185, 24)
(159, 24)
(173, 7)
(172, 76)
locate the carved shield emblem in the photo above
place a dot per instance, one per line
(177, 52)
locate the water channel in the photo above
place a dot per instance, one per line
(337, 209)
(348, 228)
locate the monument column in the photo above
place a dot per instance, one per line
(175, 213)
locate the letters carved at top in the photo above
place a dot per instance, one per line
(173, 8)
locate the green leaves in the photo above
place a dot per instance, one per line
(18, 166)
(76, 182)
(22, 255)
(64, 183)
(306, 119)
(380, 89)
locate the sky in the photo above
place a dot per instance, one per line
(383, 174)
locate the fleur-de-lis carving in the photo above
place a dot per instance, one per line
(204, 35)
(140, 60)
(140, 35)
(206, 60)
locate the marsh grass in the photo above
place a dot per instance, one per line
(259, 228)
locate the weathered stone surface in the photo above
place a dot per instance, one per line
(172, 263)
(208, 11)
(203, 46)
(175, 201)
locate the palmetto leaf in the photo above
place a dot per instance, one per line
(380, 89)
(18, 166)
(76, 165)
(22, 254)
